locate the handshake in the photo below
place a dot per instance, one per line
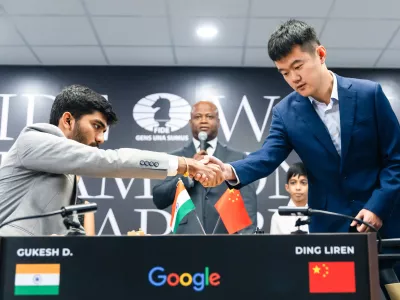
(208, 170)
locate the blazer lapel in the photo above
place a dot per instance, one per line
(347, 108)
(189, 150)
(219, 151)
(307, 113)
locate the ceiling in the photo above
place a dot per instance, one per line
(356, 33)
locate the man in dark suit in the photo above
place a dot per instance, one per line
(343, 129)
(204, 117)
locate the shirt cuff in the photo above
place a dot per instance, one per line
(234, 182)
(173, 163)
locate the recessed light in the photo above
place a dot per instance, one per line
(207, 31)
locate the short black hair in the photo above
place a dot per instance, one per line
(290, 34)
(80, 100)
(297, 169)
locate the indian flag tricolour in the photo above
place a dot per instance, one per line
(181, 207)
(37, 279)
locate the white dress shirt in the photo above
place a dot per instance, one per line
(210, 150)
(330, 114)
(286, 224)
(173, 164)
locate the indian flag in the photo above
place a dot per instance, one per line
(181, 207)
(37, 279)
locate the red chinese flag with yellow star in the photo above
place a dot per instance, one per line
(232, 211)
(332, 277)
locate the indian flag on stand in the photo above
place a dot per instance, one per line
(37, 279)
(181, 207)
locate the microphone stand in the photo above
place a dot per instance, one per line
(69, 222)
(299, 223)
(65, 212)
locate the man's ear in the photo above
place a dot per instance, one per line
(67, 121)
(321, 52)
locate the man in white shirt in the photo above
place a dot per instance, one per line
(297, 187)
(204, 118)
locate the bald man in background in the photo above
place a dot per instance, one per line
(204, 117)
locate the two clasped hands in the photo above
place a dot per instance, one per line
(208, 170)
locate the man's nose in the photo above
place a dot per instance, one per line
(100, 138)
(295, 77)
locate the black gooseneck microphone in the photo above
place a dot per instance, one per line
(65, 211)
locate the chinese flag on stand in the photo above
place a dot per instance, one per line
(332, 277)
(232, 211)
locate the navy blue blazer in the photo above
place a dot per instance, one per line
(365, 175)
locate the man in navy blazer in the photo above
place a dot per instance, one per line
(343, 129)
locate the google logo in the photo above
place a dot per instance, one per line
(158, 277)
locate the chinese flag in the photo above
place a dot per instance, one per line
(332, 277)
(232, 211)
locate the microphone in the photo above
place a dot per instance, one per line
(306, 211)
(202, 138)
(78, 209)
(293, 211)
(64, 212)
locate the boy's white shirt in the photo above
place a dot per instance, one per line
(286, 224)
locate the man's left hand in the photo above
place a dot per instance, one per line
(369, 217)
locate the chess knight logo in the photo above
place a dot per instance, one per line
(162, 113)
